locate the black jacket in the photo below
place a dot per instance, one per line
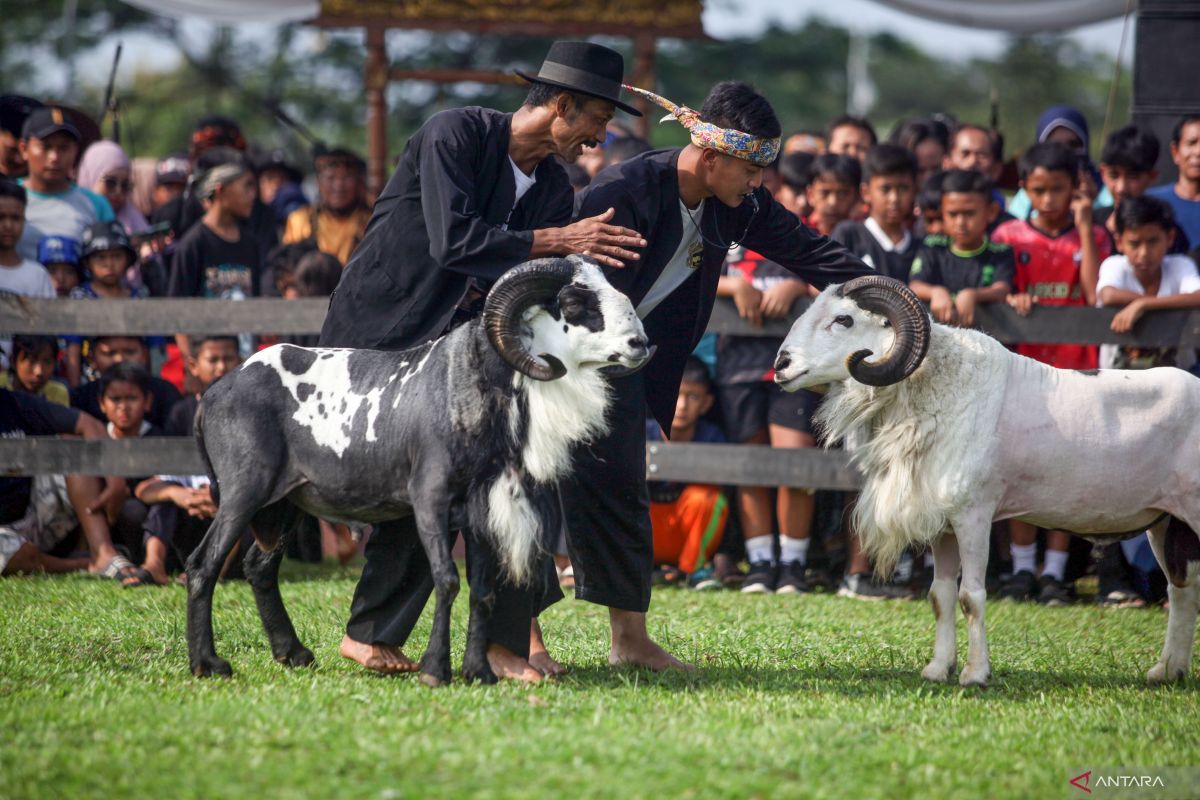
(645, 193)
(437, 225)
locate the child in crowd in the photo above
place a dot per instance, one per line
(851, 136)
(182, 506)
(884, 240)
(688, 520)
(103, 352)
(60, 256)
(1127, 169)
(1144, 276)
(833, 191)
(1184, 195)
(757, 411)
(929, 205)
(34, 359)
(107, 254)
(219, 257)
(18, 275)
(1058, 255)
(961, 269)
(794, 176)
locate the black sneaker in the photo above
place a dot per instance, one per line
(791, 579)
(862, 586)
(762, 578)
(1052, 592)
(1020, 586)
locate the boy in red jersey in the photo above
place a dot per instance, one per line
(1058, 258)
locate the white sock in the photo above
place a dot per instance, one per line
(1055, 565)
(793, 550)
(929, 559)
(1024, 557)
(760, 548)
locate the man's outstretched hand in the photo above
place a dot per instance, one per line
(593, 236)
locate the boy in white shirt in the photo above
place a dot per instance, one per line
(1144, 277)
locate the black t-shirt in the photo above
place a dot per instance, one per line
(746, 359)
(939, 264)
(860, 241)
(184, 211)
(205, 265)
(87, 398)
(23, 414)
(182, 417)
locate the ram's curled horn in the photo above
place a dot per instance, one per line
(517, 290)
(909, 320)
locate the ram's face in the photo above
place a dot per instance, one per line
(824, 337)
(591, 324)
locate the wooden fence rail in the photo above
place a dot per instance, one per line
(723, 464)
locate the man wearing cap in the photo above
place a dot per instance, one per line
(475, 193)
(338, 219)
(170, 178)
(57, 206)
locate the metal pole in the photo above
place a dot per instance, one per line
(375, 80)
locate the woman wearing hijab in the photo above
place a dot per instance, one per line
(105, 169)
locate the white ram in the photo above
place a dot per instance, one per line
(952, 431)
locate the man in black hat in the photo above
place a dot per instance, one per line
(57, 206)
(476, 192)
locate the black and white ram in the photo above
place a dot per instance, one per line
(471, 430)
(952, 431)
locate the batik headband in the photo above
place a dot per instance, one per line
(755, 149)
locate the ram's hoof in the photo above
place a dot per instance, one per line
(975, 678)
(299, 657)
(205, 666)
(937, 672)
(482, 674)
(1162, 673)
(431, 680)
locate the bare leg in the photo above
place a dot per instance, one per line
(156, 560)
(83, 491)
(539, 658)
(508, 665)
(631, 643)
(793, 506)
(941, 597)
(29, 559)
(377, 657)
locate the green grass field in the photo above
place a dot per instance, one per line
(811, 696)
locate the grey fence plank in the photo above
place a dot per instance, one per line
(749, 465)
(47, 455)
(740, 465)
(161, 316)
(292, 317)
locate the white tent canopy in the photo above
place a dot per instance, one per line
(1014, 16)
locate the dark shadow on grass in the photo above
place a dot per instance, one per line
(1016, 683)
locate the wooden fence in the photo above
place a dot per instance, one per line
(724, 464)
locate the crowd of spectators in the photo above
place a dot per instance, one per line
(924, 207)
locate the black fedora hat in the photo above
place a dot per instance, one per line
(586, 68)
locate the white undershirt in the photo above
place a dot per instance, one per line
(884, 240)
(524, 184)
(679, 268)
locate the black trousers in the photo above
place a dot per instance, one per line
(606, 509)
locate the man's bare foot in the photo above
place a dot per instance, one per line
(158, 572)
(507, 664)
(632, 645)
(539, 658)
(378, 657)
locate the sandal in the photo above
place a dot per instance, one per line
(115, 569)
(566, 577)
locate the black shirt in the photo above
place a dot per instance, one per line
(860, 241)
(23, 414)
(939, 264)
(205, 265)
(182, 417)
(184, 211)
(438, 226)
(87, 398)
(748, 359)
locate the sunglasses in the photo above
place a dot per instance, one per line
(112, 184)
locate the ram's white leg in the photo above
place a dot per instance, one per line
(1181, 618)
(972, 531)
(941, 597)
